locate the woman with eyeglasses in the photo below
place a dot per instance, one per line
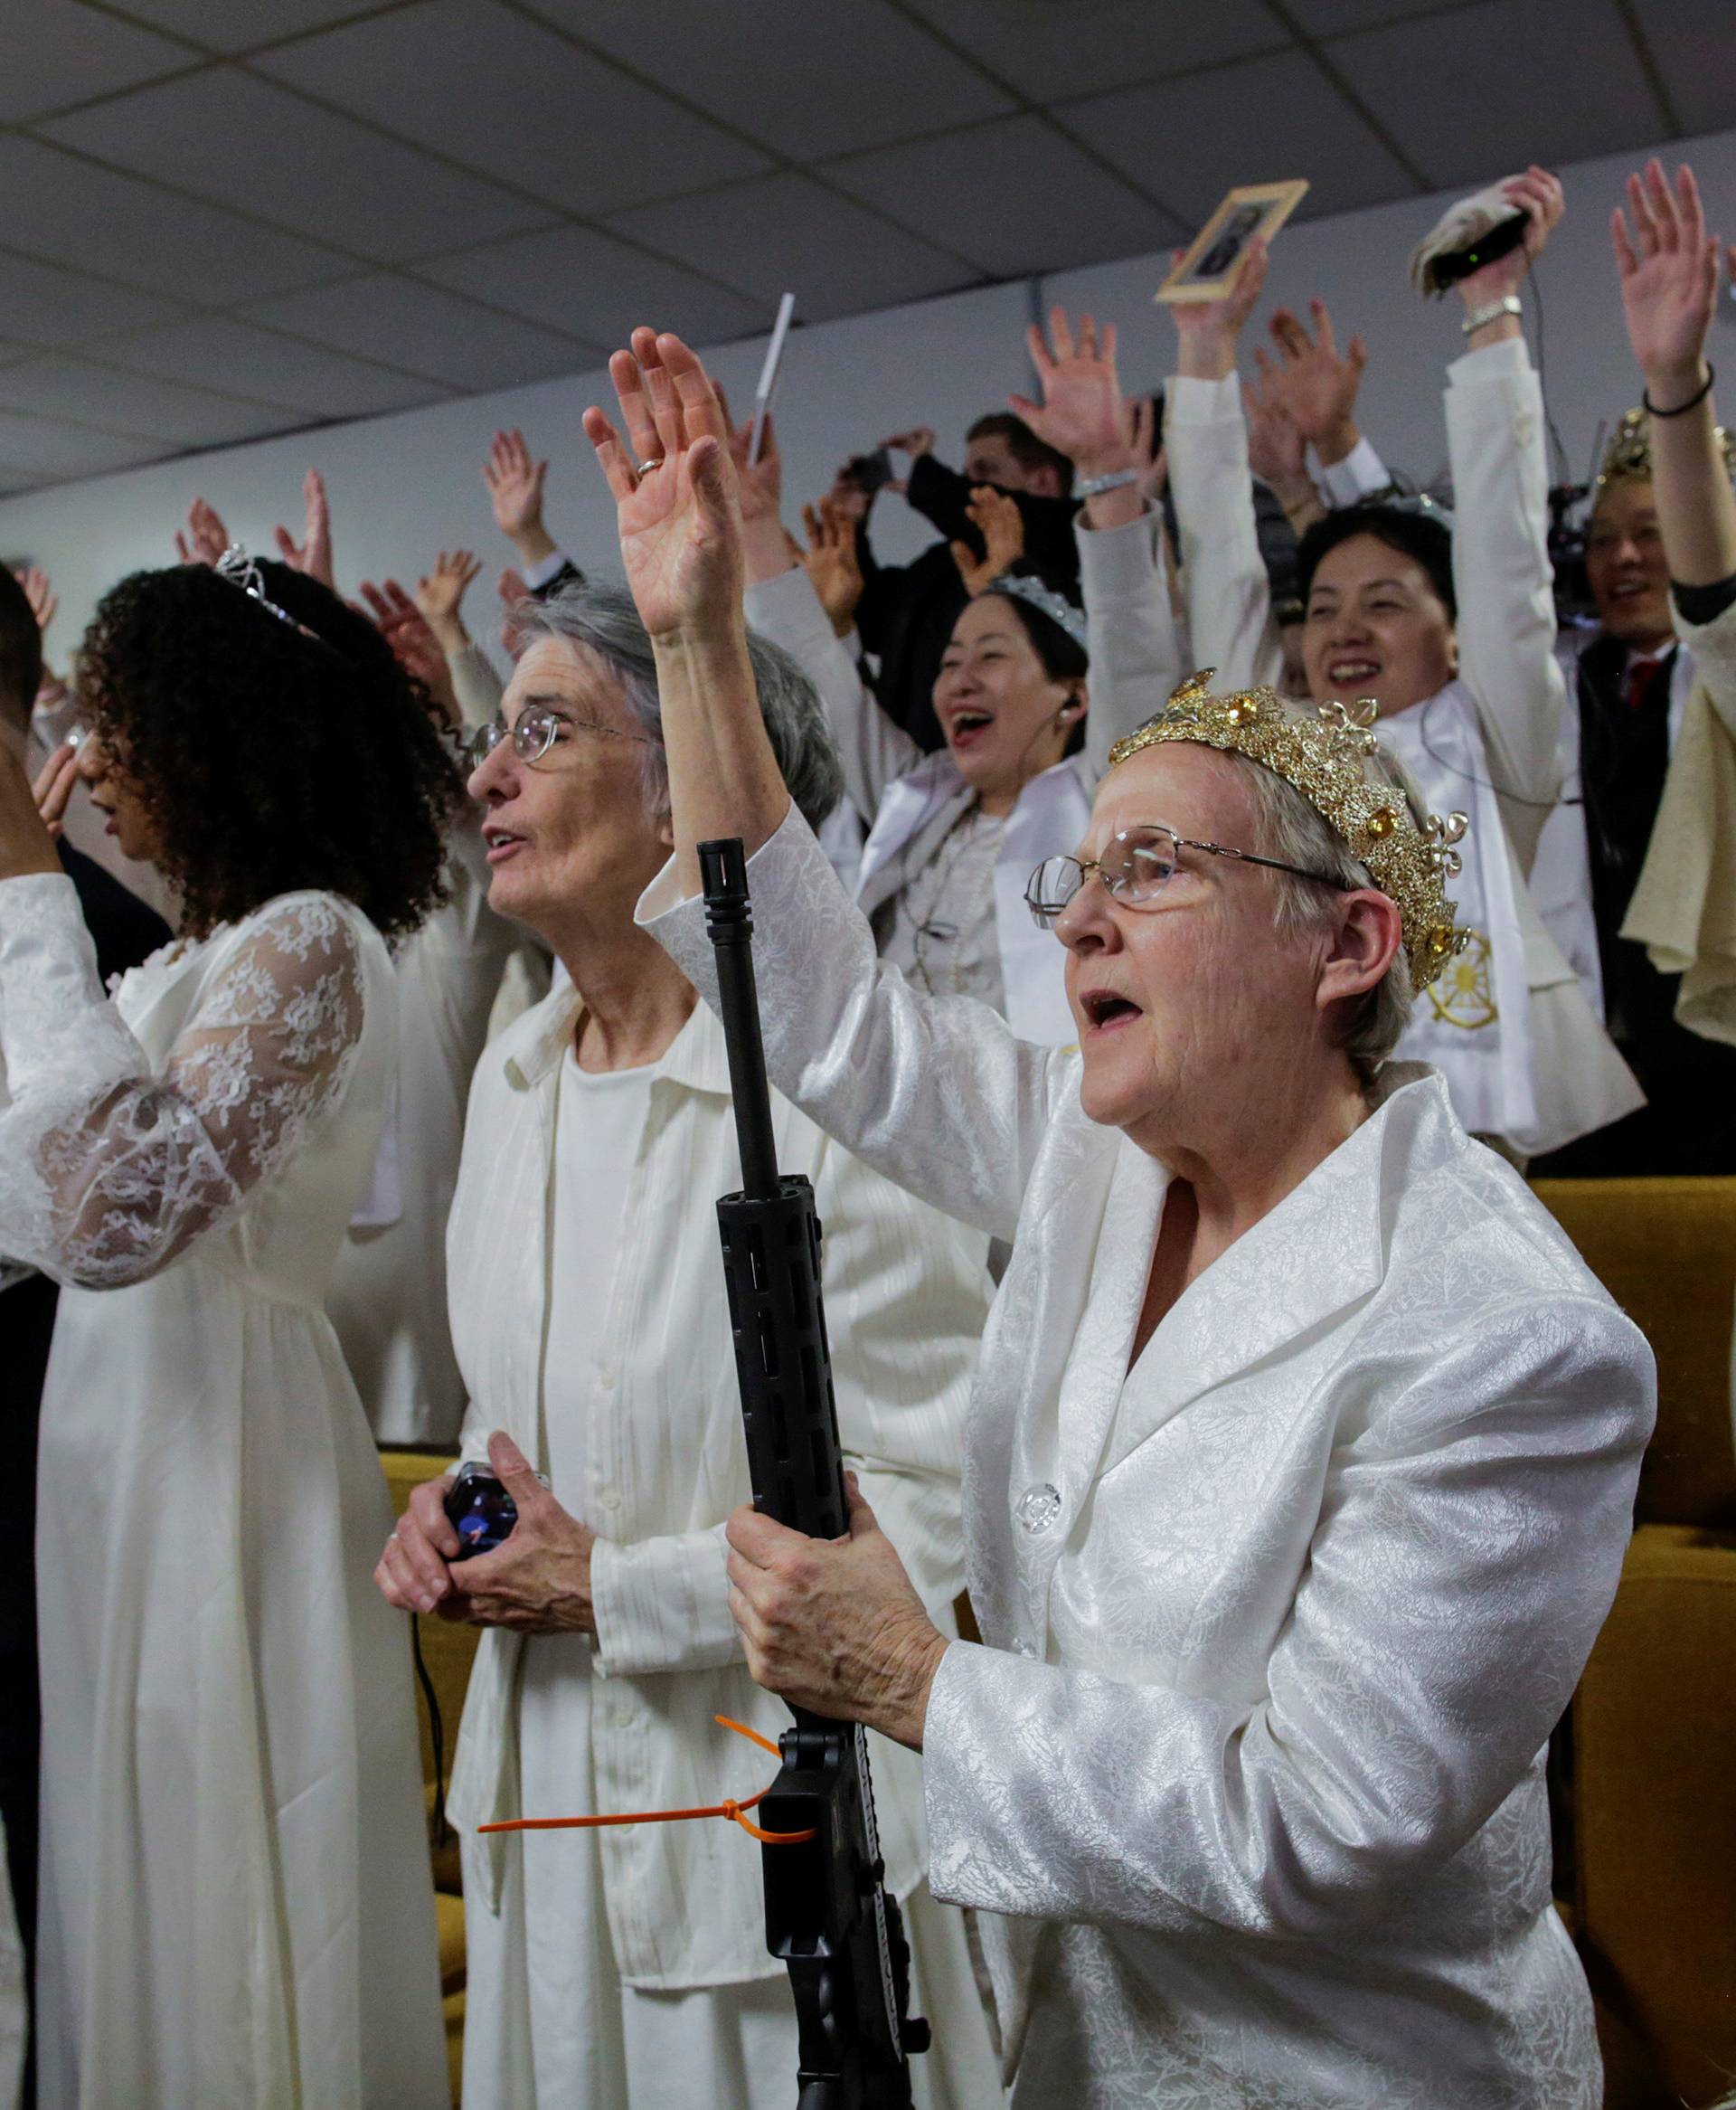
(1449, 622)
(1302, 1446)
(591, 1323)
(235, 1902)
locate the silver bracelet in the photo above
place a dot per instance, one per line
(1117, 479)
(1508, 305)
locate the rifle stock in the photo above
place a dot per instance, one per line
(828, 1913)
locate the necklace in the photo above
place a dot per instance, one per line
(974, 832)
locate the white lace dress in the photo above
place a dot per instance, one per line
(236, 1903)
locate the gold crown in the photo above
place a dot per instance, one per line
(1325, 756)
(1629, 455)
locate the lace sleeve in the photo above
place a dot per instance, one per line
(109, 1172)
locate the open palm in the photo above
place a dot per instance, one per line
(1669, 274)
(1081, 414)
(677, 508)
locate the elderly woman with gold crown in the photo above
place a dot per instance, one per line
(1637, 833)
(1302, 1448)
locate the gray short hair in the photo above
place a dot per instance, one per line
(603, 618)
(1290, 827)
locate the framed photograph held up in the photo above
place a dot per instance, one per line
(1208, 271)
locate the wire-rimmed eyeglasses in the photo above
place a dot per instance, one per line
(534, 731)
(1136, 866)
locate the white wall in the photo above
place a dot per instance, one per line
(403, 486)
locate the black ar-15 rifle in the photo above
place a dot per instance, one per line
(828, 1913)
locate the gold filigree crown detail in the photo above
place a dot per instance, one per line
(1627, 459)
(1324, 755)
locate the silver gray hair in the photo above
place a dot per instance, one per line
(1290, 827)
(603, 618)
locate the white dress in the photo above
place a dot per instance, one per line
(237, 1910)
(1247, 1785)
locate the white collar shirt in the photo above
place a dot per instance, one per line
(666, 1462)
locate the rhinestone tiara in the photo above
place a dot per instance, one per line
(1326, 754)
(241, 570)
(1045, 600)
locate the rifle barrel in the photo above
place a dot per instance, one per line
(729, 919)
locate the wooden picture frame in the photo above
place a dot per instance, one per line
(1249, 209)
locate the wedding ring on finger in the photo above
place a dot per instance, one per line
(645, 468)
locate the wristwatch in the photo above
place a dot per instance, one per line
(1508, 305)
(1117, 479)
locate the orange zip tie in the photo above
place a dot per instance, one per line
(731, 1809)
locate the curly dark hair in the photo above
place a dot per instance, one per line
(269, 759)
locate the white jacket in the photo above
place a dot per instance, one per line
(1248, 1780)
(905, 1291)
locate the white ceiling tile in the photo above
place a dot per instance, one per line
(594, 288)
(404, 323)
(227, 135)
(1598, 102)
(785, 232)
(131, 231)
(1261, 121)
(809, 79)
(43, 305)
(552, 118)
(221, 352)
(225, 26)
(1694, 44)
(129, 405)
(55, 54)
(1046, 205)
(38, 448)
(1048, 51)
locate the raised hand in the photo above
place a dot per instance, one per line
(833, 562)
(916, 442)
(516, 491)
(440, 595)
(1538, 194)
(1082, 414)
(1311, 384)
(206, 538)
(39, 591)
(1209, 330)
(313, 553)
(1277, 451)
(677, 505)
(997, 518)
(413, 642)
(55, 783)
(1668, 269)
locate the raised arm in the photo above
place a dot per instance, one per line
(1668, 269)
(938, 1094)
(782, 603)
(1228, 597)
(1135, 653)
(109, 1170)
(1504, 580)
